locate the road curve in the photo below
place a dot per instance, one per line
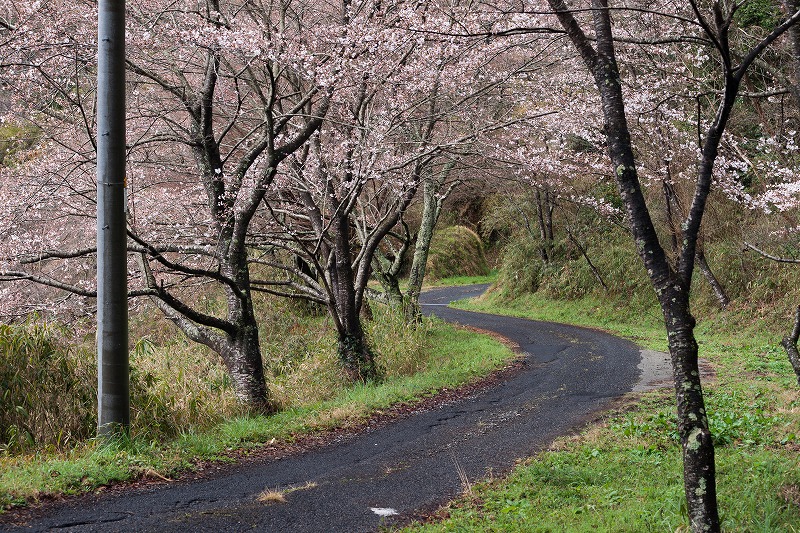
(404, 467)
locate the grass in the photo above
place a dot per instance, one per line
(456, 250)
(461, 280)
(453, 357)
(624, 473)
(269, 496)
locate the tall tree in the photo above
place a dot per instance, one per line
(349, 188)
(671, 281)
(220, 95)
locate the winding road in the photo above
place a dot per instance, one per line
(395, 471)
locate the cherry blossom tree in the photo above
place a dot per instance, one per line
(347, 191)
(257, 132)
(671, 280)
(219, 95)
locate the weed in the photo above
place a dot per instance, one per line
(271, 496)
(46, 392)
(466, 486)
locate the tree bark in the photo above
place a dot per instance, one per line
(387, 268)
(241, 353)
(716, 286)
(240, 346)
(354, 354)
(235, 339)
(670, 200)
(671, 285)
(699, 473)
(430, 215)
(789, 344)
(794, 38)
(431, 209)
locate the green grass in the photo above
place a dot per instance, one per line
(646, 328)
(458, 357)
(624, 473)
(455, 250)
(461, 280)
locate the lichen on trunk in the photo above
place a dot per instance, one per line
(356, 358)
(696, 441)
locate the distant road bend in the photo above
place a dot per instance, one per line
(397, 470)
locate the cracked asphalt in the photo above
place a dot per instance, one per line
(409, 466)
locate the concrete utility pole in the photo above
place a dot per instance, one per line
(113, 393)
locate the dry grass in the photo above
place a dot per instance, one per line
(466, 485)
(176, 385)
(48, 389)
(312, 377)
(791, 495)
(402, 349)
(270, 496)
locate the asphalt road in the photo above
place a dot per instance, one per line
(413, 464)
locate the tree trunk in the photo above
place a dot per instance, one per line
(430, 215)
(794, 39)
(716, 286)
(386, 269)
(235, 339)
(391, 286)
(241, 353)
(789, 343)
(670, 200)
(671, 286)
(696, 443)
(354, 354)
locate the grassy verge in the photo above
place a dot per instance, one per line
(461, 280)
(647, 329)
(457, 357)
(624, 473)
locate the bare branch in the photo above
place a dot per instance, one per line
(775, 258)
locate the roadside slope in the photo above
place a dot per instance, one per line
(408, 466)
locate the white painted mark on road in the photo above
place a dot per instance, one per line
(384, 511)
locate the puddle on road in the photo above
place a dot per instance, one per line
(656, 370)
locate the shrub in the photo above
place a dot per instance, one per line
(177, 386)
(48, 375)
(520, 269)
(48, 390)
(456, 251)
(403, 348)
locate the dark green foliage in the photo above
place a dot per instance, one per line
(14, 139)
(579, 144)
(521, 268)
(456, 251)
(763, 13)
(568, 274)
(46, 392)
(608, 192)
